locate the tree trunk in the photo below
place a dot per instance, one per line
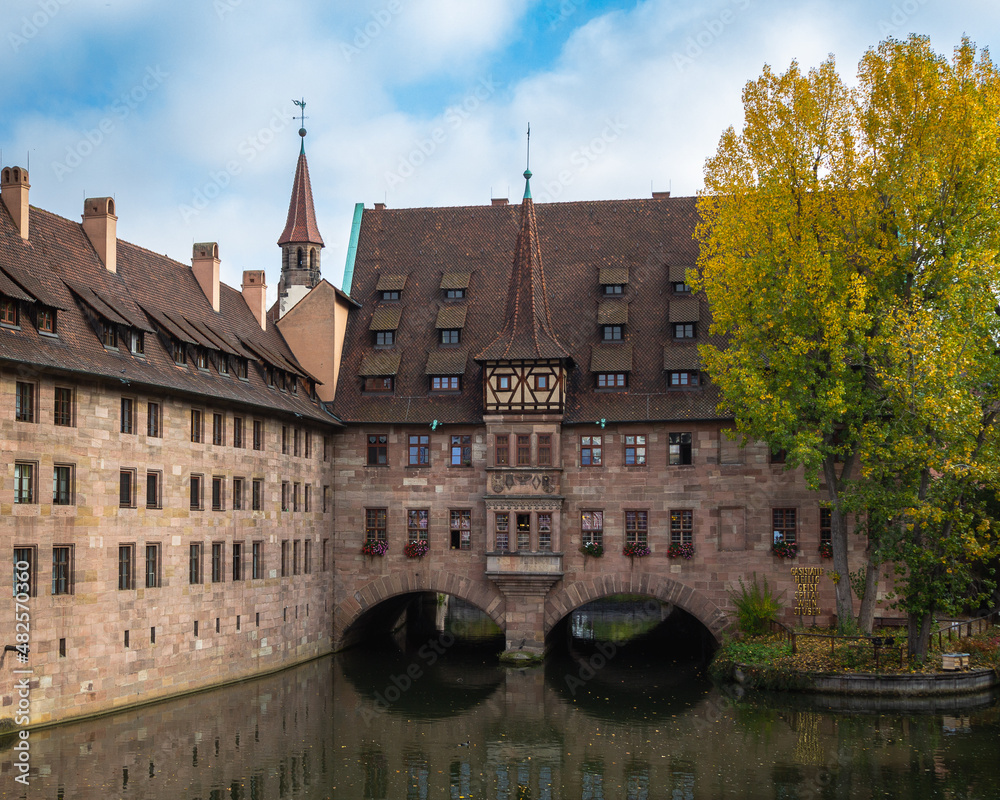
(866, 616)
(920, 634)
(838, 535)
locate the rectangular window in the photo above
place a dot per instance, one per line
(284, 440)
(307, 444)
(217, 564)
(285, 492)
(611, 333)
(296, 442)
(238, 432)
(541, 382)
(62, 485)
(194, 562)
(63, 407)
(323, 554)
(47, 320)
(503, 450)
(196, 430)
(25, 566)
(257, 492)
(24, 482)
(378, 450)
(545, 531)
(592, 527)
(296, 548)
(237, 494)
(545, 449)
(326, 495)
(126, 488)
(523, 450)
(635, 449)
(296, 492)
(777, 457)
(461, 451)
(502, 532)
(153, 426)
(684, 379)
(684, 330)
(202, 358)
(196, 492)
(128, 415)
(326, 448)
(590, 451)
(284, 558)
(258, 434)
(454, 294)
(218, 498)
(62, 569)
(307, 556)
(416, 525)
(503, 383)
(681, 287)
(24, 402)
(783, 520)
(445, 383)
(152, 566)
(612, 289)
(153, 481)
(461, 529)
(126, 568)
(378, 384)
(679, 449)
(450, 336)
(825, 526)
(420, 451)
(375, 524)
(237, 561)
(257, 566)
(178, 353)
(524, 531)
(109, 335)
(307, 498)
(8, 311)
(637, 527)
(218, 429)
(385, 338)
(611, 380)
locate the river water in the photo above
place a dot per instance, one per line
(603, 719)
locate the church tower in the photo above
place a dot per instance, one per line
(300, 241)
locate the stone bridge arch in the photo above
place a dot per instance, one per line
(573, 595)
(482, 594)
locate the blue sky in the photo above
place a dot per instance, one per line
(183, 110)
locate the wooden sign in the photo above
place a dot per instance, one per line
(806, 590)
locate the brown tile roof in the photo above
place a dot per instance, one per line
(146, 290)
(611, 357)
(610, 276)
(681, 356)
(450, 317)
(527, 331)
(385, 318)
(685, 309)
(446, 362)
(576, 241)
(677, 271)
(455, 280)
(612, 312)
(300, 225)
(390, 283)
(380, 362)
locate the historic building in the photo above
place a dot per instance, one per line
(166, 497)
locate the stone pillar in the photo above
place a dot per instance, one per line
(525, 614)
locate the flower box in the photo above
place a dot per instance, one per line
(785, 549)
(592, 549)
(417, 549)
(635, 550)
(375, 547)
(681, 550)
(826, 549)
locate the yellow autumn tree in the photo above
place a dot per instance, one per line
(848, 250)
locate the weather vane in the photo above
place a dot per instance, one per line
(527, 156)
(302, 114)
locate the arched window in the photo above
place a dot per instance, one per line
(312, 258)
(300, 259)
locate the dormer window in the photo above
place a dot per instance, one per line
(455, 294)
(178, 353)
(683, 379)
(445, 383)
(681, 287)
(378, 384)
(684, 330)
(613, 289)
(385, 338)
(611, 380)
(202, 358)
(450, 336)
(109, 335)
(223, 364)
(136, 343)
(46, 320)
(390, 296)
(242, 368)
(612, 333)
(8, 311)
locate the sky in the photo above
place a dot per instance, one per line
(183, 110)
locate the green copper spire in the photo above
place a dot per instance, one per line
(527, 184)
(527, 170)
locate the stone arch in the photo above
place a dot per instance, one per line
(482, 594)
(312, 258)
(576, 594)
(300, 261)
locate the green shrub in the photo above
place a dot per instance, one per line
(756, 606)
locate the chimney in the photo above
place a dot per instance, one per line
(101, 226)
(14, 193)
(380, 206)
(205, 266)
(661, 195)
(255, 295)
(499, 201)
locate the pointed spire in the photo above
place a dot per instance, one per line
(300, 225)
(527, 331)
